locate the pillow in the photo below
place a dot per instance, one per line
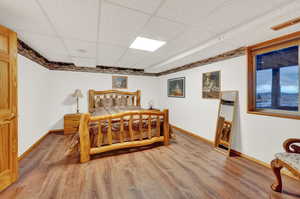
(124, 100)
(108, 102)
(98, 102)
(118, 101)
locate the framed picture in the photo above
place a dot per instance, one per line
(176, 87)
(119, 82)
(211, 85)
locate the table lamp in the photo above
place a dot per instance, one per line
(78, 95)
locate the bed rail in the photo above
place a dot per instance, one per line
(132, 129)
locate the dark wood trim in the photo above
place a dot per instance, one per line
(30, 53)
(56, 131)
(227, 55)
(296, 117)
(263, 47)
(286, 24)
(233, 152)
(103, 69)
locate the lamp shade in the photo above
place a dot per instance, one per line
(77, 93)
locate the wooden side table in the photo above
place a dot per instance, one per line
(153, 109)
(71, 123)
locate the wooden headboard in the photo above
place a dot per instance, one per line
(135, 97)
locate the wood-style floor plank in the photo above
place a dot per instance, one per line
(188, 168)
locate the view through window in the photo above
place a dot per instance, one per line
(277, 80)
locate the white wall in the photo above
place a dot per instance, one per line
(257, 136)
(44, 97)
(64, 83)
(33, 102)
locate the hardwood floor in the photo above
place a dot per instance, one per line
(188, 168)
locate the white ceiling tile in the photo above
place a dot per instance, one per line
(131, 57)
(120, 25)
(214, 50)
(43, 44)
(190, 12)
(18, 15)
(73, 19)
(87, 62)
(211, 51)
(237, 38)
(225, 18)
(79, 48)
(142, 5)
(59, 58)
(192, 37)
(76, 21)
(108, 55)
(162, 29)
(245, 37)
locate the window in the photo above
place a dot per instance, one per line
(273, 78)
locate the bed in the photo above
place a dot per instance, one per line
(117, 121)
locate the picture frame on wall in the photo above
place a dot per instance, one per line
(211, 85)
(176, 87)
(119, 82)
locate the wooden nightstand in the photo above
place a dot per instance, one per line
(71, 123)
(153, 109)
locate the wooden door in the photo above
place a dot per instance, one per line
(8, 108)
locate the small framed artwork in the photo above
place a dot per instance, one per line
(176, 87)
(119, 82)
(211, 85)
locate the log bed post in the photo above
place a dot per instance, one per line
(138, 98)
(166, 126)
(84, 135)
(91, 100)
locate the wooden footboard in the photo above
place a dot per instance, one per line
(133, 129)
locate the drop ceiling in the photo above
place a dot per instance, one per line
(99, 32)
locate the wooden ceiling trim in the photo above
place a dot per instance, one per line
(107, 70)
(30, 53)
(227, 55)
(286, 24)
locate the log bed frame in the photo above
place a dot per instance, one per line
(135, 97)
(137, 125)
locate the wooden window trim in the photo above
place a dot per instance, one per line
(280, 42)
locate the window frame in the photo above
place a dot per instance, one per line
(261, 48)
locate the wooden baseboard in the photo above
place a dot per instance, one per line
(239, 154)
(33, 146)
(56, 131)
(38, 142)
(193, 135)
(233, 152)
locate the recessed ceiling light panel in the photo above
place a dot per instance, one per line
(142, 43)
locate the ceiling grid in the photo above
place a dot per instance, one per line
(99, 32)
